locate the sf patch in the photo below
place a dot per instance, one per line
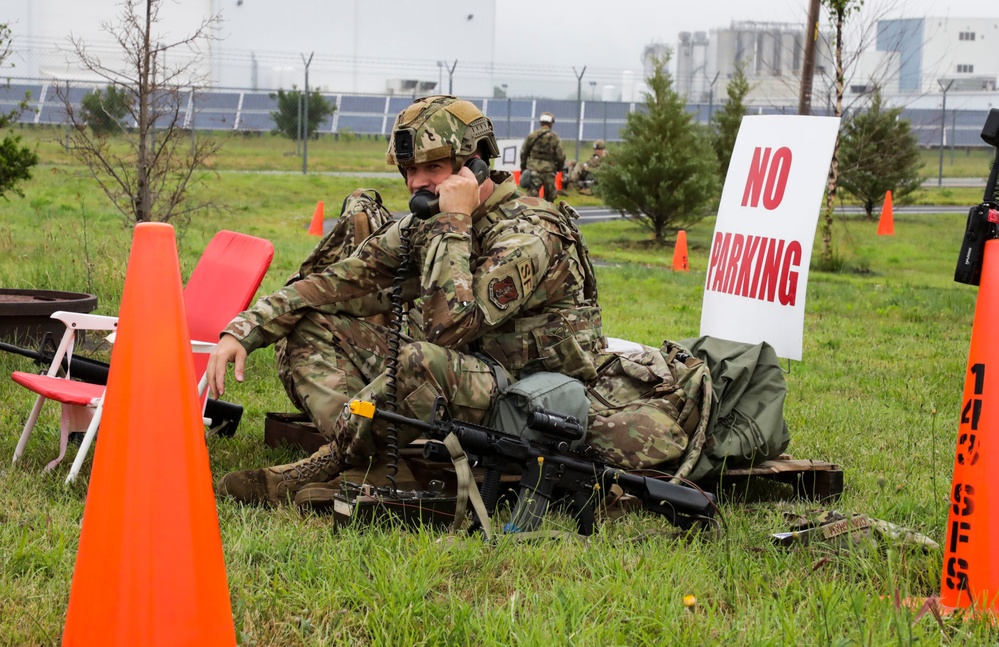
(526, 272)
(502, 292)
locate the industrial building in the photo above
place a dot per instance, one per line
(914, 61)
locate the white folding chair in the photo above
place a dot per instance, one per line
(221, 286)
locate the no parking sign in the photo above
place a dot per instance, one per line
(758, 269)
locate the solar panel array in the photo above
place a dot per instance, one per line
(250, 111)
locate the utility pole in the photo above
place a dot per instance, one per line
(450, 77)
(808, 64)
(305, 126)
(943, 126)
(579, 107)
(298, 127)
(711, 97)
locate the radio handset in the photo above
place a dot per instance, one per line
(425, 204)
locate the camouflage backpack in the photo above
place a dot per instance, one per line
(361, 215)
(649, 407)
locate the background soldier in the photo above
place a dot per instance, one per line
(542, 154)
(582, 175)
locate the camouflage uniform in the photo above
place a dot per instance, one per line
(527, 302)
(542, 154)
(509, 288)
(582, 174)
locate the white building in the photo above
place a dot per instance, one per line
(770, 54)
(360, 46)
(910, 58)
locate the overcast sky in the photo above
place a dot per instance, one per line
(613, 33)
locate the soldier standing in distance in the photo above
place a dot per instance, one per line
(505, 287)
(542, 154)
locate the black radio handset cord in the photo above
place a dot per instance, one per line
(424, 204)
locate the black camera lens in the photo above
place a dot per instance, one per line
(403, 145)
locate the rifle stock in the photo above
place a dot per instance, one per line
(83, 368)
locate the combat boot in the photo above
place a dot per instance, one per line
(275, 485)
(319, 497)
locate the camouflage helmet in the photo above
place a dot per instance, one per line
(547, 118)
(599, 145)
(440, 127)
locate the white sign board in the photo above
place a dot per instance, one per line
(758, 269)
(509, 159)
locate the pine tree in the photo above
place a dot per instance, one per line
(287, 116)
(878, 152)
(16, 160)
(105, 110)
(663, 175)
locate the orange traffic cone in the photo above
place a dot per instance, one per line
(886, 226)
(680, 261)
(970, 576)
(316, 228)
(149, 568)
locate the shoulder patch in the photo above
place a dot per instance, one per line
(526, 272)
(502, 292)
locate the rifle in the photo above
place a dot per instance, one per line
(982, 218)
(225, 416)
(86, 369)
(550, 472)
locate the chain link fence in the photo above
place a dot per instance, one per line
(238, 95)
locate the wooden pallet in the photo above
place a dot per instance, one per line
(814, 480)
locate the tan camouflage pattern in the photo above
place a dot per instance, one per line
(542, 154)
(650, 408)
(327, 358)
(341, 241)
(425, 372)
(443, 127)
(336, 245)
(844, 530)
(528, 300)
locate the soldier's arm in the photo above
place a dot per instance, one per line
(359, 285)
(559, 155)
(460, 305)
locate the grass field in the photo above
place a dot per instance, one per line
(878, 392)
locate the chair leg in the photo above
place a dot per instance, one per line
(88, 438)
(74, 418)
(64, 424)
(28, 427)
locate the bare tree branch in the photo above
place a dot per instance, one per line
(147, 169)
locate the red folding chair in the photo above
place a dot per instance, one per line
(222, 285)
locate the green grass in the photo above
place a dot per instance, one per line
(959, 162)
(878, 392)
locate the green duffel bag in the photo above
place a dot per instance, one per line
(747, 411)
